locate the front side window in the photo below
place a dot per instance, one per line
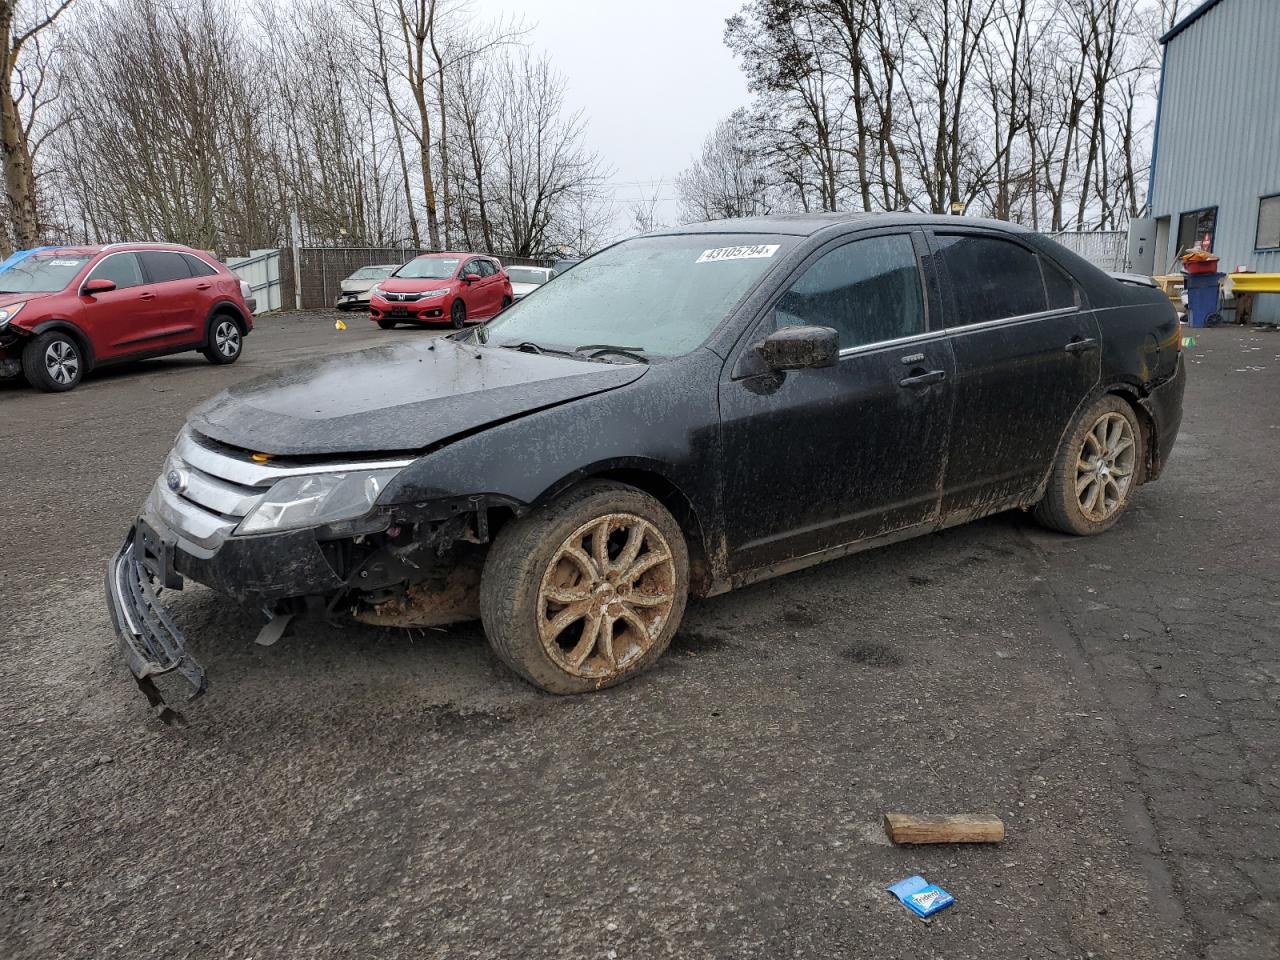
(663, 295)
(1194, 226)
(42, 273)
(993, 279)
(868, 290)
(122, 269)
(1268, 223)
(487, 268)
(162, 266)
(428, 268)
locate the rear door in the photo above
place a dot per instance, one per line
(178, 295)
(1027, 355)
(122, 321)
(819, 458)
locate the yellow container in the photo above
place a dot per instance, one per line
(1255, 282)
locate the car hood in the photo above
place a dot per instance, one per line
(9, 298)
(357, 286)
(398, 398)
(400, 285)
(523, 289)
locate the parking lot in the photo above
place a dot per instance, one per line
(360, 792)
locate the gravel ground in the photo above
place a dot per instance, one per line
(360, 792)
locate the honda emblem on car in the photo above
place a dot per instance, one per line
(176, 481)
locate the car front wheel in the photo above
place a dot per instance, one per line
(53, 362)
(458, 314)
(225, 340)
(587, 591)
(1096, 470)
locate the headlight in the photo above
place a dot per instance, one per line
(377, 288)
(9, 312)
(432, 294)
(308, 501)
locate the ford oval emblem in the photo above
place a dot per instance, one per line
(176, 481)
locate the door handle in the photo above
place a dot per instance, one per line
(1081, 345)
(203, 286)
(923, 379)
(146, 296)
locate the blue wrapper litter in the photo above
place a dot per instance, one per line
(921, 897)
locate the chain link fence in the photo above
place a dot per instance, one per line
(1108, 249)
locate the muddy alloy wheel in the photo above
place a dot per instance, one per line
(1096, 470)
(458, 314)
(587, 591)
(1104, 469)
(606, 595)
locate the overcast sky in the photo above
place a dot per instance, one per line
(651, 77)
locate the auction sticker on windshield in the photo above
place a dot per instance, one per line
(752, 252)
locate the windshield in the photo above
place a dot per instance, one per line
(371, 273)
(427, 268)
(527, 275)
(43, 273)
(661, 294)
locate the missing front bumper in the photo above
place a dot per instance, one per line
(149, 640)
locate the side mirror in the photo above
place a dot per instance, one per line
(471, 277)
(800, 348)
(100, 285)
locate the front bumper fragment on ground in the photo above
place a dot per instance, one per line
(149, 640)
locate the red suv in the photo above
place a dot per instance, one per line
(66, 310)
(454, 288)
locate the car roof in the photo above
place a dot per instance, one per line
(452, 255)
(89, 250)
(807, 224)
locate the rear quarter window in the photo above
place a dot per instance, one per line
(197, 266)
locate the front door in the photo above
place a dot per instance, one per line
(819, 458)
(1027, 356)
(122, 321)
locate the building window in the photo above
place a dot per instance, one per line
(1193, 225)
(1268, 223)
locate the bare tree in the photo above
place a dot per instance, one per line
(23, 94)
(730, 177)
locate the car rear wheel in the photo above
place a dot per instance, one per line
(225, 340)
(53, 362)
(586, 592)
(506, 302)
(458, 315)
(387, 324)
(1096, 470)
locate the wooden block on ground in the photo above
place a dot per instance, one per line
(959, 828)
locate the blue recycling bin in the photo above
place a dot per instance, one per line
(1203, 290)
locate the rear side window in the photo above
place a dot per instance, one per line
(1060, 288)
(121, 269)
(163, 265)
(993, 279)
(197, 266)
(868, 290)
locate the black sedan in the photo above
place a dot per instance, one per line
(679, 415)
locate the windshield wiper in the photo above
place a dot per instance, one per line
(598, 350)
(528, 346)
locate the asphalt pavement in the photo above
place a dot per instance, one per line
(360, 792)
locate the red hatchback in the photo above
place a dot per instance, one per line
(66, 310)
(456, 288)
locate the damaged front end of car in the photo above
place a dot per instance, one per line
(295, 538)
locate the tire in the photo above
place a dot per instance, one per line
(506, 302)
(458, 314)
(527, 562)
(226, 340)
(387, 324)
(53, 362)
(1100, 463)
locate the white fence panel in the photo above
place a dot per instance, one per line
(1109, 249)
(261, 270)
